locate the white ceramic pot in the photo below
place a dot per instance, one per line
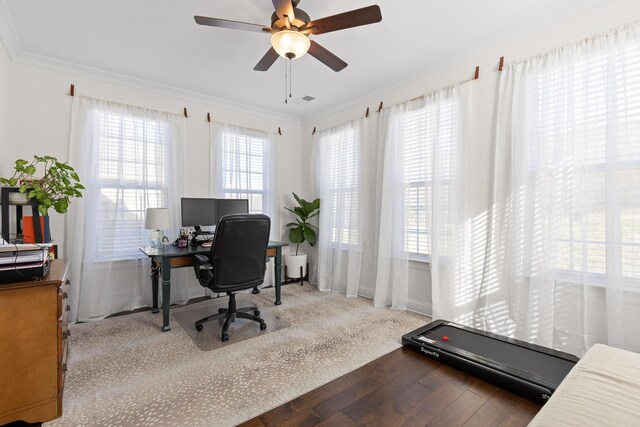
(294, 262)
(18, 199)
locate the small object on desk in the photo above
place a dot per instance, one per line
(207, 244)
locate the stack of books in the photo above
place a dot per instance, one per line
(23, 262)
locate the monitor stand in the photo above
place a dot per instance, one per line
(199, 232)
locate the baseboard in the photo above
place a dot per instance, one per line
(419, 307)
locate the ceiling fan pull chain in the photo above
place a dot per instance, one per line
(285, 82)
(290, 77)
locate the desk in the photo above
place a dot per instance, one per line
(175, 257)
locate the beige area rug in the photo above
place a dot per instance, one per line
(124, 371)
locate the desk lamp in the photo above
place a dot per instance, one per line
(157, 220)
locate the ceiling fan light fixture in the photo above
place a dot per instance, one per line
(290, 44)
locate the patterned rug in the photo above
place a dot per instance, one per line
(124, 371)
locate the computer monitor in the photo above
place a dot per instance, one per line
(231, 206)
(198, 212)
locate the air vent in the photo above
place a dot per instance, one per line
(304, 99)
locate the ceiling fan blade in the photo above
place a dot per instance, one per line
(326, 57)
(236, 25)
(267, 60)
(284, 7)
(355, 18)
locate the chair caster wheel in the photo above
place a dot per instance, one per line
(225, 337)
(256, 312)
(199, 327)
(263, 326)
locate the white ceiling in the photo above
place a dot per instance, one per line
(158, 41)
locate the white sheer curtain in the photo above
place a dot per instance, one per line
(423, 198)
(564, 269)
(243, 167)
(342, 170)
(129, 159)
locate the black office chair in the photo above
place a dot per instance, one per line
(237, 261)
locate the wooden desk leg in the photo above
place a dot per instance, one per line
(278, 272)
(155, 284)
(166, 293)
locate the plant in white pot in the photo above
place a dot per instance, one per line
(299, 232)
(58, 185)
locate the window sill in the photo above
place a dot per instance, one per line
(422, 259)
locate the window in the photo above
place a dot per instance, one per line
(244, 169)
(131, 156)
(585, 136)
(422, 128)
(343, 153)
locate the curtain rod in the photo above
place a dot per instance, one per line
(72, 90)
(210, 121)
(583, 37)
(476, 76)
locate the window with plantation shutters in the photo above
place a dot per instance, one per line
(244, 169)
(422, 128)
(343, 165)
(131, 161)
(584, 137)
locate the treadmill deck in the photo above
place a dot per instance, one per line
(531, 369)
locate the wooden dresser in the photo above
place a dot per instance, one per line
(33, 346)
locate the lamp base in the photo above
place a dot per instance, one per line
(157, 238)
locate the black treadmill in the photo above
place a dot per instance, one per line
(526, 368)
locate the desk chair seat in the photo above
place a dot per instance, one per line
(236, 262)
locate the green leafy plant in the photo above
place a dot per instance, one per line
(59, 182)
(301, 230)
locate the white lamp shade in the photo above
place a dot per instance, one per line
(290, 44)
(157, 219)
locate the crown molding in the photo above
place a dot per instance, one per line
(53, 64)
(11, 42)
(8, 35)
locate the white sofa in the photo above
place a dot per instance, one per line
(603, 389)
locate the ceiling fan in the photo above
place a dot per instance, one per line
(290, 30)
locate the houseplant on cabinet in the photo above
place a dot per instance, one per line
(299, 232)
(58, 185)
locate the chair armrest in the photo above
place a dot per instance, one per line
(203, 269)
(202, 259)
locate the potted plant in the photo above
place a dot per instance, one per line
(59, 183)
(299, 232)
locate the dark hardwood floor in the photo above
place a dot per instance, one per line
(403, 388)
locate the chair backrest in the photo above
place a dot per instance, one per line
(238, 253)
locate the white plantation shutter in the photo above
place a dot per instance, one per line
(243, 170)
(243, 167)
(576, 111)
(434, 123)
(131, 177)
(343, 165)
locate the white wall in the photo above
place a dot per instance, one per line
(512, 46)
(38, 122)
(4, 106)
